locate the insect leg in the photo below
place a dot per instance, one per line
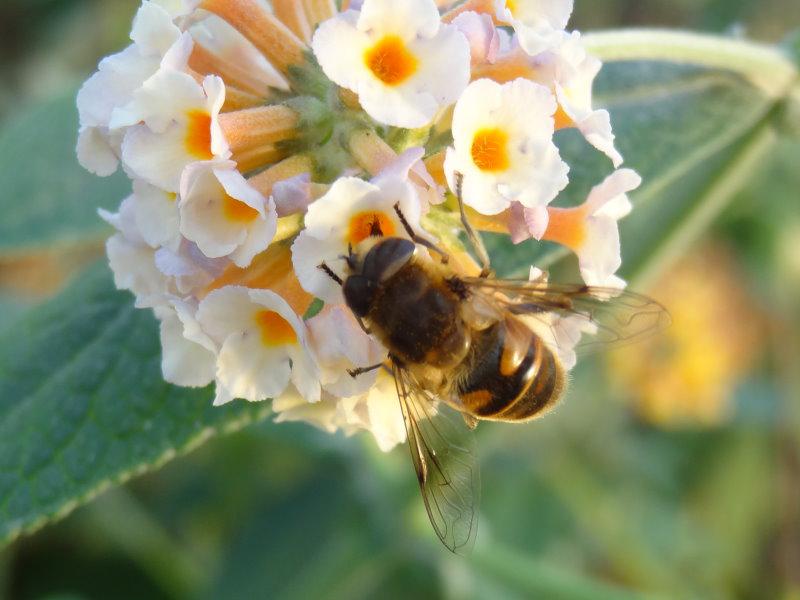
(361, 370)
(329, 272)
(475, 240)
(364, 328)
(419, 239)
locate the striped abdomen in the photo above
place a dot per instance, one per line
(512, 375)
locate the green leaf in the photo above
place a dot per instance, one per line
(792, 45)
(48, 198)
(83, 404)
(10, 310)
(736, 528)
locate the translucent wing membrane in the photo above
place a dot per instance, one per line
(443, 452)
(613, 317)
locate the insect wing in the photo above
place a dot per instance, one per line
(443, 452)
(611, 316)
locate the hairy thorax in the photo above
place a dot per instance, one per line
(417, 316)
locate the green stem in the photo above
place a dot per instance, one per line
(537, 579)
(123, 519)
(766, 66)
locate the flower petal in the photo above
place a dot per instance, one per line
(504, 149)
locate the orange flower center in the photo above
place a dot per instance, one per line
(198, 135)
(275, 330)
(490, 150)
(367, 224)
(237, 211)
(390, 61)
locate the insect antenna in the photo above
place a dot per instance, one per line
(475, 240)
(329, 272)
(361, 370)
(417, 239)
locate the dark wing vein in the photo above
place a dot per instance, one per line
(611, 316)
(443, 453)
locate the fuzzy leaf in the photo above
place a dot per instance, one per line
(83, 404)
(48, 198)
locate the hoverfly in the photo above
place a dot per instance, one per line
(464, 349)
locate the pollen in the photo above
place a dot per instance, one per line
(511, 5)
(390, 61)
(275, 330)
(198, 135)
(490, 150)
(367, 224)
(237, 211)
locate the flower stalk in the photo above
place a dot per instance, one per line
(765, 66)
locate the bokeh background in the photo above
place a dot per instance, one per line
(672, 470)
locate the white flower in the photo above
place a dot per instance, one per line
(155, 37)
(132, 261)
(351, 211)
(98, 150)
(134, 269)
(156, 215)
(570, 72)
(482, 35)
(409, 165)
(591, 230)
(561, 333)
(526, 223)
(262, 345)
(187, 355)
(154, 31)
(177, 8)
(180, 126)
(293, 195)
(379, 412)
(224, 215)
(403, 63)
(124, 220)
(537, 23)
(188, 268)
(325, 414)
(339, 344)
(567, 333)
(503, 146)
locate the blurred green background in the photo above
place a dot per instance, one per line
(672, 470)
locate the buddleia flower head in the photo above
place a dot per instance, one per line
(263, 140)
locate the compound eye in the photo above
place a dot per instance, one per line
(358, 293)
(387, 257)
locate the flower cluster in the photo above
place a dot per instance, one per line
(262, 141)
